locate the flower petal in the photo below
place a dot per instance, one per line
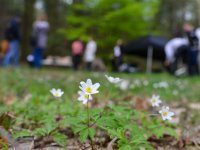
(89, 82)
(96, 86)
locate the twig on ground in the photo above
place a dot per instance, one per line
(110, 144)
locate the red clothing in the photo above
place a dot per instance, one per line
(77, 48)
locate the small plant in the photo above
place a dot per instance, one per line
(85, 95)
(121, 123)
(125, 126)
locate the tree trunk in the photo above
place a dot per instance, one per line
(27, 20)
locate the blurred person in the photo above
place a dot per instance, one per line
(173, 50)
(90, 52)
(3, 49)
(77, 51)
(117, 54)
(12, 35)
(39, 38)
(193, 48)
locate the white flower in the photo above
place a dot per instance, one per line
(165, 113)
(84, 97)
(124, 85)
(155, 100)
(162, 84)
(112, 79)
(145, 82)
(89, 88)
(56, 93)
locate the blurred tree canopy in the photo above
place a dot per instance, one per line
(106, 20)
(110, 20)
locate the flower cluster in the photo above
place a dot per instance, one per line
(165, 113)
(87, 89)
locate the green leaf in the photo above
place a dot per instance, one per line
(83, 135)
(40, 132)
(91, 133)
(125, 147)
(60, 139)
(79, 128)
(22, 133)
(49, 127)
(159, 132)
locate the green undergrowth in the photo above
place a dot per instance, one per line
(25, 94)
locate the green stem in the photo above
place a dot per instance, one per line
(58, 106)
(88, 124)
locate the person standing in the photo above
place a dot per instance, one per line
(39, 38)
(193, 49)
(77, 51)
(173, 50)
(90, 53)
(12, 35)
(117, 54)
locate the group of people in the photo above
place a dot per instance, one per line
(89, 54)
(184, 46)
(10, 47)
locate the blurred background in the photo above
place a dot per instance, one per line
(105, 20)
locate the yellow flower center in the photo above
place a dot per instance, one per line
(153, 100)
(56, 94)
(165, 113)
(88, 90)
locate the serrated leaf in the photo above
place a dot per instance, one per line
(110, 122)
(83, 135)
(60, 139)
(91, 133)
(79, 128)
(40, 132)
(49, 127)
(159, 132)
(22, 133)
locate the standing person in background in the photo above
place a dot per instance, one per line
(12, 35)
(117, 54)
(39, 39)
(193, 49)
(90, 52)
(173, 50)
(77, 51)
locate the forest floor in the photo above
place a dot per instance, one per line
(26, 102)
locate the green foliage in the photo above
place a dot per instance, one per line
(110, 20)
(21, 133)
(131, 128)
(3, 145)
(38, 115)
(60, 138)
(84, 134)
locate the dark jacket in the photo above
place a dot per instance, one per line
(12, 32)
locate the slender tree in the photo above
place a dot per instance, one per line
(27, 20)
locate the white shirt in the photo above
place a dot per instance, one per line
(40, 30)
(90, 51)
(172, 46)
(117, 51)
(198, 35)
